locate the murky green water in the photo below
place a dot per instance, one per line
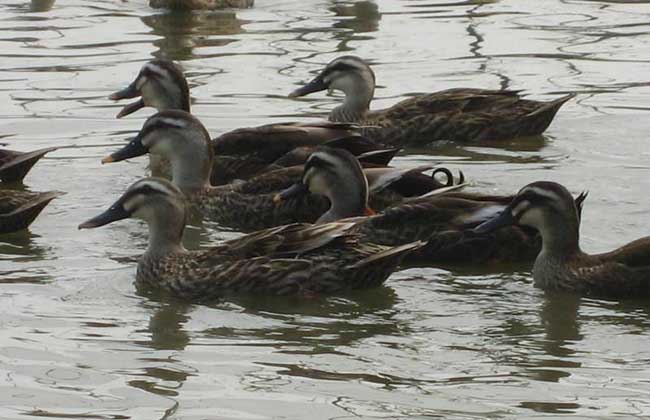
(77, 341)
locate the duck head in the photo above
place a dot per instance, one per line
(547, 207)
(337, 175)
(157, 202)
(178, 137)
(160, 84)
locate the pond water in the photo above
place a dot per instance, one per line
(78, 342)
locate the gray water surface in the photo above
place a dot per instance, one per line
(77, 341)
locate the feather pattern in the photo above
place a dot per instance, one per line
(459, 115)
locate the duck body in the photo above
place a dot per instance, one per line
(181, 139)
(444, 223)
(200, 4)
(301, 260)
(444, 219)
(344, 263)
(18, 209)
(249, 151)
(561, 264)
(460, 115)
(624, 272)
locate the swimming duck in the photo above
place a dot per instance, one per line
(295, 259)
(200, 4)
(15, 165)
(241, 153)
(561, 264)
(180, 138)
(460, 115)
(444, 218)
(18, 209)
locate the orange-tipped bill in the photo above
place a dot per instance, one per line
(296, 190)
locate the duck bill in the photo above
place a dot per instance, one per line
(294, 191)
(114, 213)
(128, 92)
(131, 108)
(503, 219)
(133, 149)
(315, 85)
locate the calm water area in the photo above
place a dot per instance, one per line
(77, 341)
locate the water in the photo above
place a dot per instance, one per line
(76, 339)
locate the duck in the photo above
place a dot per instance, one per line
(180, 138)
(444, 218)
(18, 209)
(301, 260)
(15, 165)
(241, 153)
(200, 4)
(561, 265)
(458, 115)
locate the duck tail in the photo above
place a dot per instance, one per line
(17, 166)
(539, 119)
(23, 216)
(391, 257)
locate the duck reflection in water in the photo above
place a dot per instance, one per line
(41, 5)
(360, 16)
(182, 31)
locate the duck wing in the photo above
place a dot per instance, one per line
(272, 141)
(282, 241)
(463, 115)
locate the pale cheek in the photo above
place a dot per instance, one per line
(345, 84)
(317, 185)
(534, 218)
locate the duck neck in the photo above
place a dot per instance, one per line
(345, 201)
(356, 105)
(165, 236)
(560, 244)
(191, 170)
(560, 237)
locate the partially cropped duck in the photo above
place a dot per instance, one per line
(200, 4)
(180, 138)
(460, 115)
(296, 259)
(18, 209)
(561, 264)
(443, 219)
(15, 165)
(242, 153)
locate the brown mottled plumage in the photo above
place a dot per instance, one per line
(444, 220)
(18, 209)
(561, 264)
(296, 259)
(183, 141)
(459, 115)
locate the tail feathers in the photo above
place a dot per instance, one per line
(551, 107)
(395, 255)
(537, 121)
(21, 217)
(17, 167)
